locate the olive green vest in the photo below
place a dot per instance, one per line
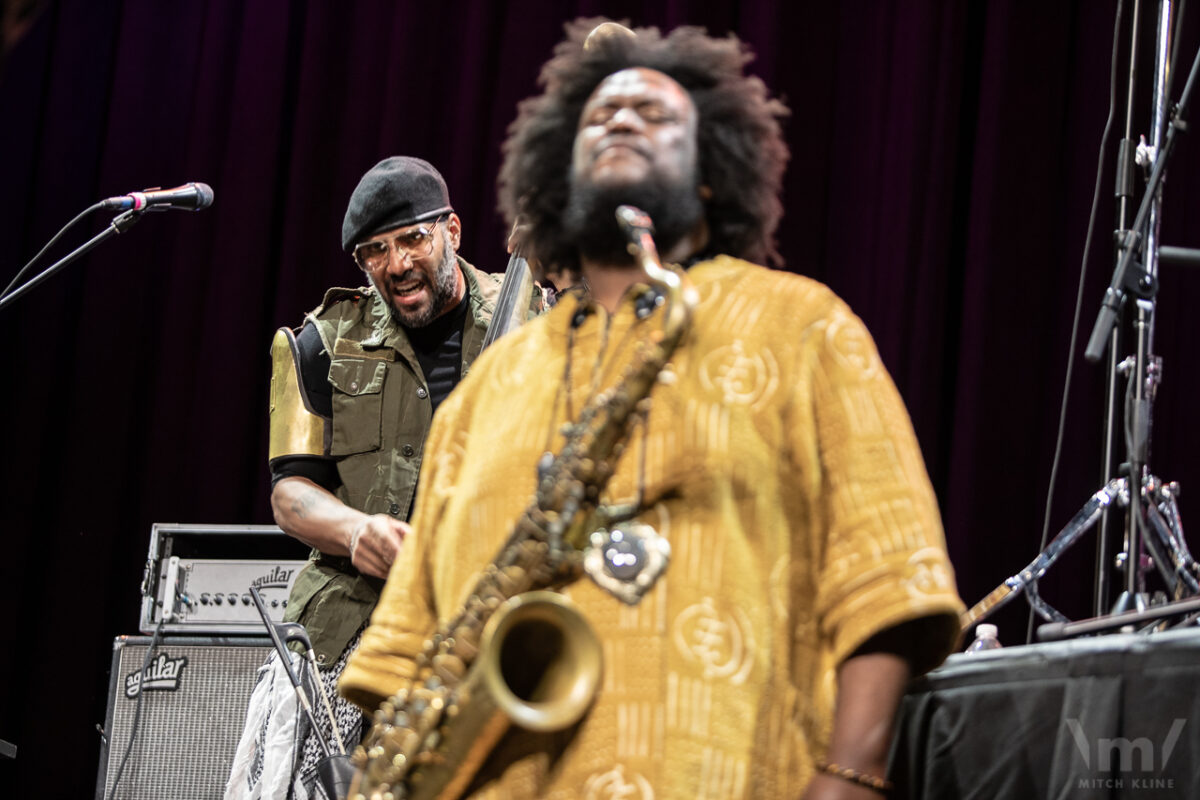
(381, 416)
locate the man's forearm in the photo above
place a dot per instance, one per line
(314, 515)
(870, 687)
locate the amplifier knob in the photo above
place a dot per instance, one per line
(245, 599)
(233, 598)
(205, 598)
(218, 599)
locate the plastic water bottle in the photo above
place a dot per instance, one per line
(985, 639)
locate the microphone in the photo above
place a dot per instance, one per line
(190, 196)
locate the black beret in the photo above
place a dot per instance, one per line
(397, 191)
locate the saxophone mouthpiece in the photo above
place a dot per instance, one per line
(634, 220)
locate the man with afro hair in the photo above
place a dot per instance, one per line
(773, 458)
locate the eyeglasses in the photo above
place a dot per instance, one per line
(414, 243)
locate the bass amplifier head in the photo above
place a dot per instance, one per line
(198, 577)
(195, 693)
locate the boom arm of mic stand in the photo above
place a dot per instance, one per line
(1113, 296)
(1083, 520)
(120, 224)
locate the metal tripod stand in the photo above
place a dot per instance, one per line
(1153, 533)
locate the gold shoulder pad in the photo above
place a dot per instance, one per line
(295, 428)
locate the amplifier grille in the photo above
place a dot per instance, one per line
(187, 734)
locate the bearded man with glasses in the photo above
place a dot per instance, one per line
(352, 397)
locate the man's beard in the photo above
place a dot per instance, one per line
(590, 222)
(441, 293)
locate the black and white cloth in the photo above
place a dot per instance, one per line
(278, 752)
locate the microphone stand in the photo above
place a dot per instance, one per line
(120, 224)
(1124, 192)
(1122, 283)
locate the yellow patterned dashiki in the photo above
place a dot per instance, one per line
(781, 465)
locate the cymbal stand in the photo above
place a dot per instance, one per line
(1166, 545)
(1025, 581)
(1153, 536)
(1143, 370)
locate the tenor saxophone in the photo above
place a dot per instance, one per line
(429, 740)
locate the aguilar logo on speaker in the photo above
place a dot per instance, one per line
(162, 675)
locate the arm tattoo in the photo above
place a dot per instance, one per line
(305, 502)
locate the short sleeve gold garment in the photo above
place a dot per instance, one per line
(780, 464)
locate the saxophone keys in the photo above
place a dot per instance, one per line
(463, 644)
(385, 713)
(394, 741)
(545, 465)
(449, 668)
(508, 579)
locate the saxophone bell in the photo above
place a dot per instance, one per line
(541, 661)
(539, 668)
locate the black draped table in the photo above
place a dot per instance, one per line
(1109, 717)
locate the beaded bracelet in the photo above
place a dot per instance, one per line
(854, 776)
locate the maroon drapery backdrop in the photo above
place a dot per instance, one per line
(943, 158)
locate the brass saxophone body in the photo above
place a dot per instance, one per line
(429, 741)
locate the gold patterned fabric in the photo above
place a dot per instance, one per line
(779, 462)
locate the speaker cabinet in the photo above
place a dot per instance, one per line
(195, 694)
